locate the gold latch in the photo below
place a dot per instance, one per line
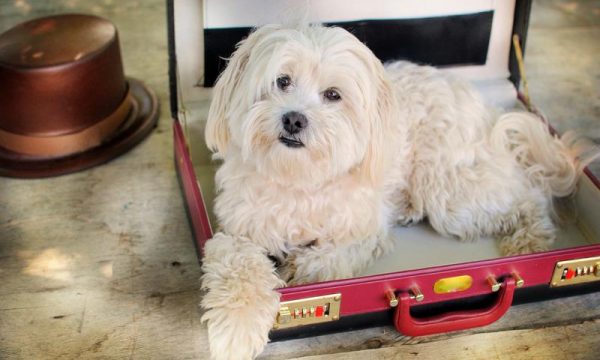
(308, 311)
(576, 271)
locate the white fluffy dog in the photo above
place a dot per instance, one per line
(324, 149)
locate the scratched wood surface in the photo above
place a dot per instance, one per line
(101, 265)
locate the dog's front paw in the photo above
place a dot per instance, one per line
(303, 277)
(318, 263)
(237, 334)
(406, 220)
(241, 303)
(409, 217)
(289, 273)
(287, 269)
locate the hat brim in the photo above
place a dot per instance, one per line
(139, 123)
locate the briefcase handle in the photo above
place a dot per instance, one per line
(453, 321)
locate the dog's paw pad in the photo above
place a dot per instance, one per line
(286, 272)
(511, 246)
(408, 220)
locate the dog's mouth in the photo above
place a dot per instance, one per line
(290, 141)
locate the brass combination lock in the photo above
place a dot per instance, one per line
(576, 271)
(308, 311)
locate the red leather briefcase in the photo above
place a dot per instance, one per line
(459, 286)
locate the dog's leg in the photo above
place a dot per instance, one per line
(241, 303)
(519, 216)
(328, 261)
(489, 196)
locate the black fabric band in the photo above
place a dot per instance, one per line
(172, 58)
(439, 41)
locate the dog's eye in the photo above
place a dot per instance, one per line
(332, 95)
(283, 82)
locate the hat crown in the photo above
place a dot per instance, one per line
(60, 75)
(55, 40)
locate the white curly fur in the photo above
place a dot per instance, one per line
(404, 143)
(238, 276)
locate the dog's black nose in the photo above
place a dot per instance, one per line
(294, 122)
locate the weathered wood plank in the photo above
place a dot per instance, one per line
(577, 341)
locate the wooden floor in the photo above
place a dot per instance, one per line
(101, 264)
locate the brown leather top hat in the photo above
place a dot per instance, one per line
(65, 103)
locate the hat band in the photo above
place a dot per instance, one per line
(56, 146)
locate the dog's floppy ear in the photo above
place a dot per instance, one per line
(217, 133)
(381, 109)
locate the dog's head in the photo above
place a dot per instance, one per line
(303, 106)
